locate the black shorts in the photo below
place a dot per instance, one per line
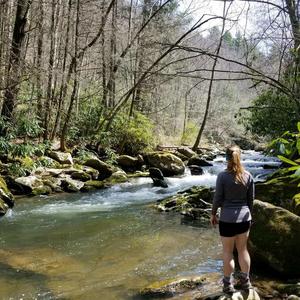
(232, 229)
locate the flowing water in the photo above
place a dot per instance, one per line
(108, 244)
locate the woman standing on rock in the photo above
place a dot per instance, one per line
(235, 195)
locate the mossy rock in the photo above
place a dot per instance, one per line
(171, 287)
(53, 183)
(80, 175)
(192, 202)
(104, 169)
(92, 185)
(167, 162)
(116, 177)
(275, 238)
(278, 191)
(61, 157)
(42, 190)
(3, 186)
(70, 185)
(289, 288)
(138, 174)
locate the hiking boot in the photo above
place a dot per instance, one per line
(228, 288)
(243, 284)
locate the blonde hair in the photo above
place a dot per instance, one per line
(234, 165)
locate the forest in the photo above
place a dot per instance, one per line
(114, 110)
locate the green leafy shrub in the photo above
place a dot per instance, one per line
(11, 146)
(271, 114)
(190, 133)
(287, 148)
(128, 135)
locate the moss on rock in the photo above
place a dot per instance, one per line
(275, 238)
(92, 185)
(167, 162)
(193, 202)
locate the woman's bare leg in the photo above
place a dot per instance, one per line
(243, 254)
(228, 261)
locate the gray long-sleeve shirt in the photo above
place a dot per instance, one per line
(234, 198)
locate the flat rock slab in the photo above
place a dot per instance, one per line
(203, 287)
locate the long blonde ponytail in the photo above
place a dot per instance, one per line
(234, 165)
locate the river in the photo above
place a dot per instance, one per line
(107, 244)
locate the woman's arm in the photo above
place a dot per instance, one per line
(219, 195)
(250, 194)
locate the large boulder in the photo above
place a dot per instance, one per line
(81, 175)
(193, 203)
(168, 163)
(198, 161)
(157, 177)
(129, 163)
(275, 238)
(116, 177)
(186, 151)
(196, 170)
(31, 185)
(104, 169)
(6, 198)
(61, 157)
(71, 185)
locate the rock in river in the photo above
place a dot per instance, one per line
(275, 238)
(168, 163)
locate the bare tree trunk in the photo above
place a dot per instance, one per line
(39, 59)
(112, 58)
(15, 67)
(51, 79)
(198, 139)
(104, 80)
(75, 84)
(63, 87)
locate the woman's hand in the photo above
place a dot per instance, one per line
(214, 220)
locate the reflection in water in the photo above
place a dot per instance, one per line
(105, 245)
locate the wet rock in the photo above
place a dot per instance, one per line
(61, 157)
(6, 198)
(93, 185)
(171, 287)
(157, 177)
(80, 175)
(291, 289)
(196, 170)
(198, 161)
(138, 174)
(168, 163)
(192, 202)
(186, 151)
(29, 184)
(92, 172)
(53, 183)
(129, 163)
(204, 287)
(71, 185)
(103, 168)
(117, 177)
(275, 238)
(42, 190)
